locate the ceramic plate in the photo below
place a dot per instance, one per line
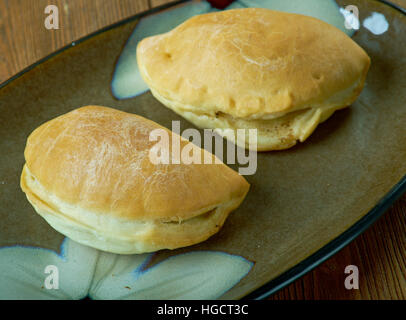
(304, 205)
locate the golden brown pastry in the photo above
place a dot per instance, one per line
(279, 72)
(89, 174)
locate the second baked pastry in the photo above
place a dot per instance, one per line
(278, 72)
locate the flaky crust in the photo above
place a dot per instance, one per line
(88, 173)
(272, 134)
(253, 64)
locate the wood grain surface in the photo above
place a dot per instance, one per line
(379, 253)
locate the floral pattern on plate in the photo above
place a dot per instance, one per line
(86, 272)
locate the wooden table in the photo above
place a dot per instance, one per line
(379, 253)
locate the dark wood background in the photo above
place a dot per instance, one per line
(379, 253)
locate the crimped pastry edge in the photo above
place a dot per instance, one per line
(123, 236)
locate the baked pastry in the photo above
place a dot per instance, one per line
(278, 72)
(90, 175)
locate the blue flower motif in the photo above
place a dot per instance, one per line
(87, 272)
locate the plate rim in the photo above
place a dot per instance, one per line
(316, 258)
